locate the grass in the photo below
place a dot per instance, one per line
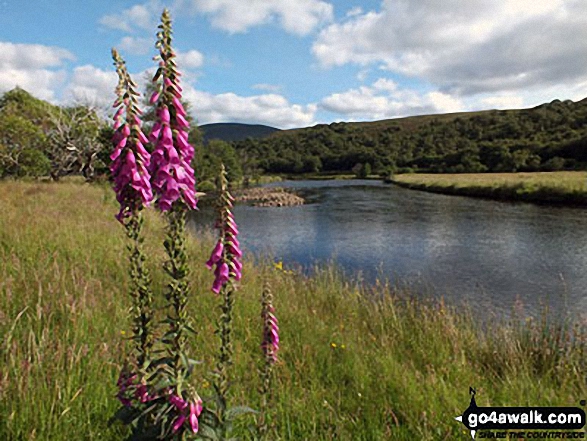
(356, 363)
(566, 188)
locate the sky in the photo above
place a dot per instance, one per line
(297, 63)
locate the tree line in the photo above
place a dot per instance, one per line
(40, 139)
(549, 137)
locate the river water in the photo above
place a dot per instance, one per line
(496, 256)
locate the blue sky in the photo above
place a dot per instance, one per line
(297, 63)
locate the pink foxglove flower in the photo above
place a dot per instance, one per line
(130, 159)
(125, 383)
(227, 253)
(270, 343)
(173, 175)
(181, 405)
(195, 411)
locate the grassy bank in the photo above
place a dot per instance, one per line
(350, 369)
(565, 188)
(318, 176)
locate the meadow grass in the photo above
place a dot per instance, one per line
(566, 187)
(356, 362)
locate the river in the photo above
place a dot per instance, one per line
(496, 256)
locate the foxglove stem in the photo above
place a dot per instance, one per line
(221, 382)
(133, 192)
(174, 186)
(226, 256)
(177, 295)
(270, 346)
(142, 312)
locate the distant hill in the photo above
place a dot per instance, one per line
(551, 136)
(235, 131)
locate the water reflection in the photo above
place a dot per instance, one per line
(488, 253)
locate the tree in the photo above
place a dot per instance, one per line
(21, 144)
(366, 170)
(224, 152)
(74, 141)
(360, 170)
(19, 102)
(554, 164)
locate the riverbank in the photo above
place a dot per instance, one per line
(351, 368)
(326, 177)
(268, 197)
(560, 188)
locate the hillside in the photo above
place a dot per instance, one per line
(235, 131)
(551, 136)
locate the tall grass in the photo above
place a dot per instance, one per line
(568, 188)
(356, 363)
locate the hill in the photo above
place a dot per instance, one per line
(235, 131)
(552, 136)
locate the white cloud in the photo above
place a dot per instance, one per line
(33, 67)
(385, 84)
(136, 45)
(270, 109)
(357, 10)
(191, 59)
(297, 17)
(384, 99)
(466, 48)
(273, 88)
(142, 16)
(32, 56)
(503, 102)
(91, 85)
(363, 74)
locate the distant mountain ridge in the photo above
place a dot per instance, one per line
(235, 131)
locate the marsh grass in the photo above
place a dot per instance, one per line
(543, 187)
(356, 363)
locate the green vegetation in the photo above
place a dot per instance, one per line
(356, 363)
(47, 139)
(38, 139)
(549, 137)
(568, 188)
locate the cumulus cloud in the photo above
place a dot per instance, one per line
(33, 67)
(142, 16)
(191, 59)
(136, 45)
(384, 99)
(297, 17)
(503, 102)
(357, 10)
(267, 87)
(465, 48)
(91, 85)
(270, 109)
